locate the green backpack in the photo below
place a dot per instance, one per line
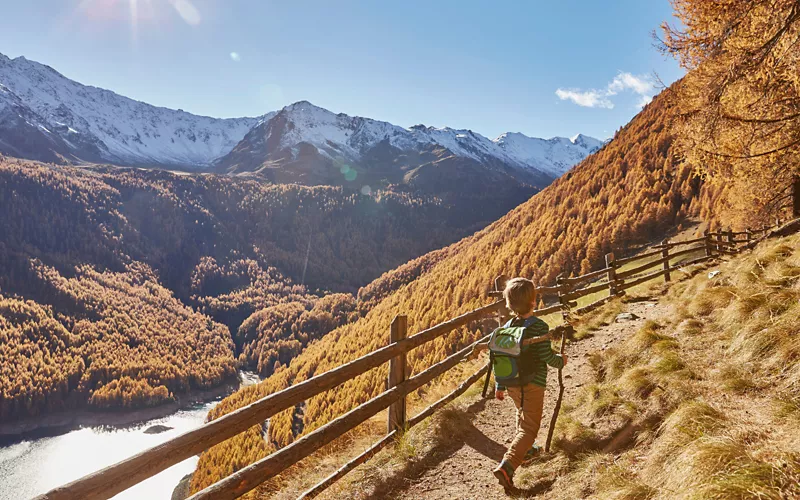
(506, 345)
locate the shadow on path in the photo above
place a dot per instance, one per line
(529, 491)
(453, 431)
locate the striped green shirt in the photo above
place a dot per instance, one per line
(536, 356)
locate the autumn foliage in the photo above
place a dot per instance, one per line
(124, 288)
(629, 193)
(273, 336)
(739, 106)
(132, 344)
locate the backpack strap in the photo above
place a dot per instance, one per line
(533, 340)
(488, 374)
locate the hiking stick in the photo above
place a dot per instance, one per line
(560, 395)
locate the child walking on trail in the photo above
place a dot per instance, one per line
(526, 385)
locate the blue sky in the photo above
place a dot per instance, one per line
(541, 68)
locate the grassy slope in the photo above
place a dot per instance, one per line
(710, 394)
(629, 192)
(703, 403)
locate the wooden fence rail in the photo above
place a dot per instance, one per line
(244, 480)
(120, 476)
(389, 438)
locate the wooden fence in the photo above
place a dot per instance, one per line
(617, 276)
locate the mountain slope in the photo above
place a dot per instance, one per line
(683, 400)
(99, 125)
(23, 133)
(555, 156)
(135, 261)
(629, 192)
(309, 144)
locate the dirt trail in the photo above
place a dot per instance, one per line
(464, 463)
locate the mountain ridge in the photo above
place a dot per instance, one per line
(338, 139)
(99, 125)
(46, 116)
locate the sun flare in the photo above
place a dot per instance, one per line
(139, 13)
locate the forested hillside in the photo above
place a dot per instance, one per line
(126, 342)
(117, 284)
(631, 191)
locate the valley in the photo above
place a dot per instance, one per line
(289, 296)
(125, 287)
(136, 282)
(630, 192)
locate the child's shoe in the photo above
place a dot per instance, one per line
(532, 453)
(505, 475)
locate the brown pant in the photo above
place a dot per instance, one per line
(529, 419)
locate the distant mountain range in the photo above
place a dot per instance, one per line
(46, 116)
(65, 120)
(309, 144)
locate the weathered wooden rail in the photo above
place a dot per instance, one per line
(614, 277)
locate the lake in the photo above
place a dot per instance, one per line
(34, 466)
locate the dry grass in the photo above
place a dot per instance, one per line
(715, 388)
(711, 392)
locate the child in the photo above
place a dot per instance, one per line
(527, 391)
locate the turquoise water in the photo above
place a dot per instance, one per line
(32, 467)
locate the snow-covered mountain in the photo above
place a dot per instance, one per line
(80, 122)
(46, 116)
(24, 133)
(555, 156)
(301, 133)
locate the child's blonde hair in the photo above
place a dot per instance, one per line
(520, 294)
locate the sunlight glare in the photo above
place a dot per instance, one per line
(139, 13)
(134, 9)
(187, 11)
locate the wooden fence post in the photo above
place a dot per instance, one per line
(796, 196)
(719, 241)
(612, 274)
(665, 255)
(499, 286)
(397, 374)
(729, 239)
(709, 248)
(749, 235)
(502, 315)
(563, 289)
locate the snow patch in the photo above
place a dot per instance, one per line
(340, 135)
(131, 132)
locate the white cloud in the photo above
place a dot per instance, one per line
(236, 57)
(644, 101)
(588, 99)
(641, 85)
